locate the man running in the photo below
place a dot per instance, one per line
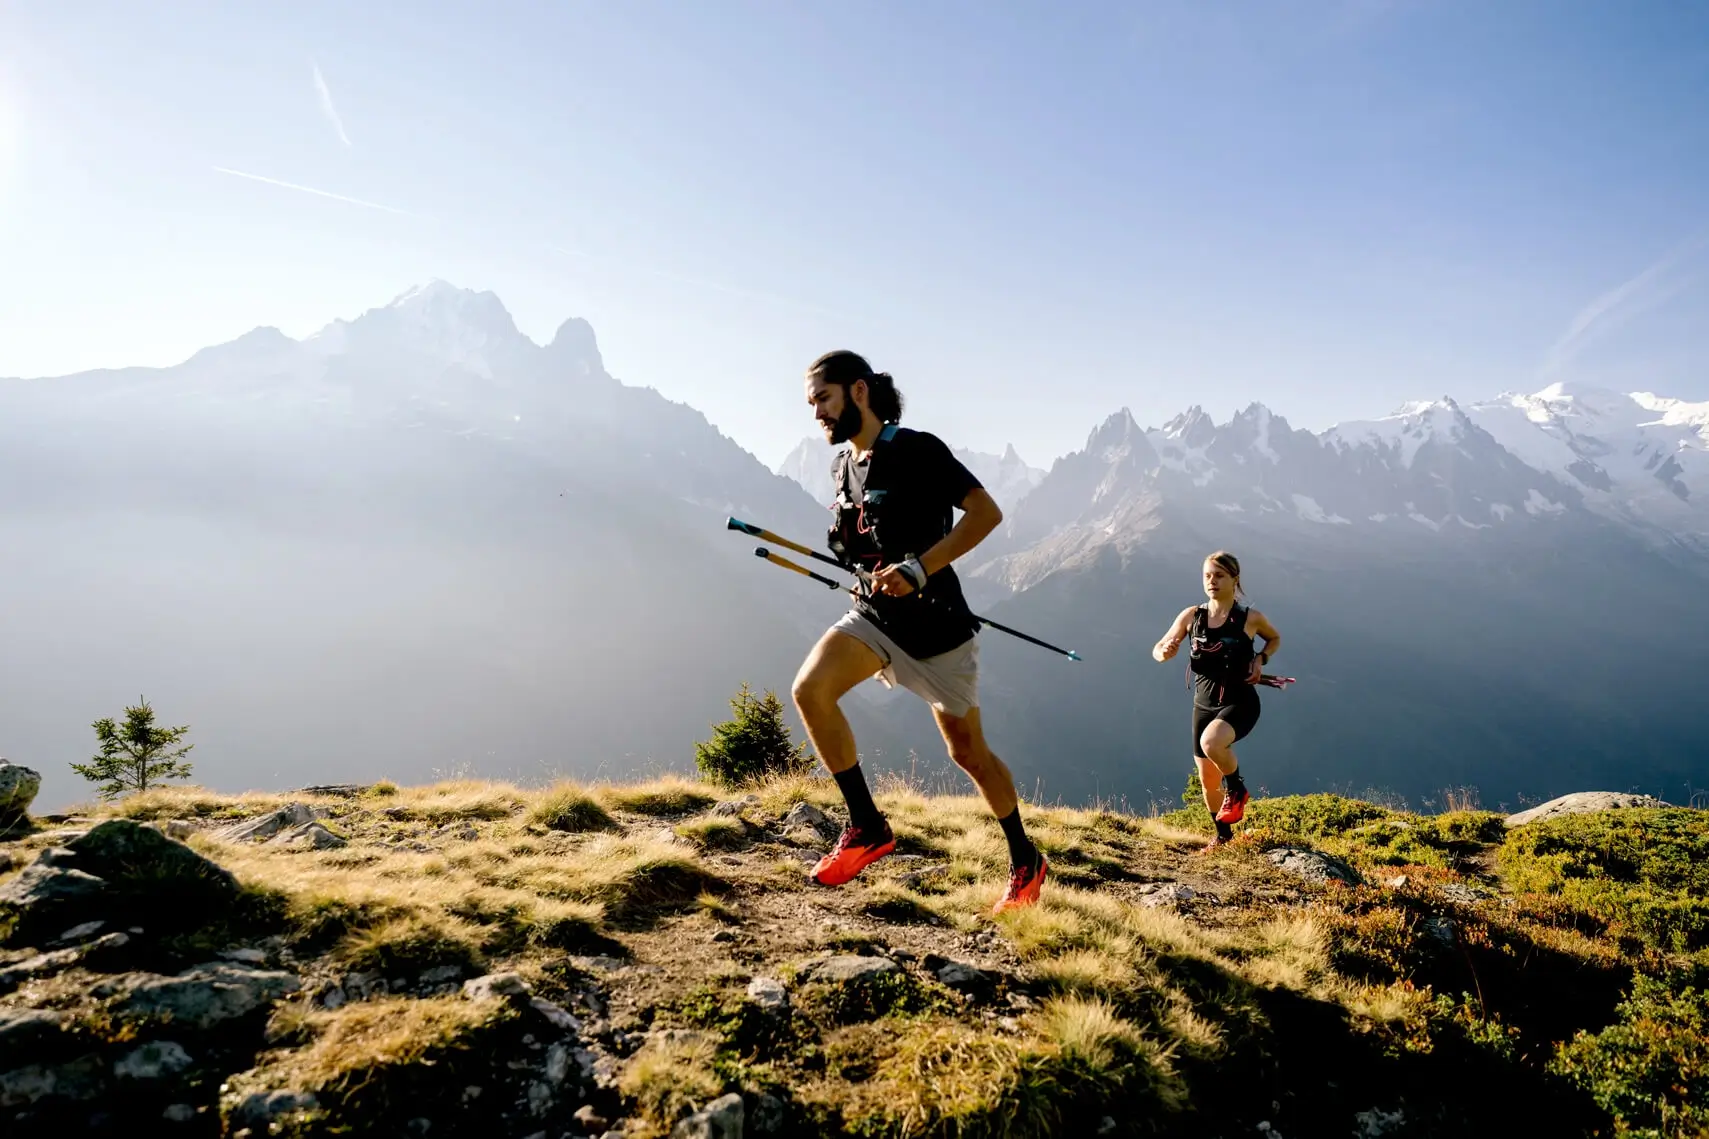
(909, 624)
(1225, 667)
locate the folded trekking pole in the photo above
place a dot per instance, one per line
(776, 559)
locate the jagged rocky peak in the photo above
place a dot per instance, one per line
(1191, 428)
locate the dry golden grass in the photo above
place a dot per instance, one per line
(460, 799)
(569, 807)
(670, 795)
(184, 801)
(349, 1045)
(666, 1075)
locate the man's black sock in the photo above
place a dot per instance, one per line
(863, 812)
(1021, 850)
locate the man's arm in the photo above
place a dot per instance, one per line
(980, 516)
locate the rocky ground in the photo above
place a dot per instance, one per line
(473, 959)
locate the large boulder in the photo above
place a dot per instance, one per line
(18, 788)
(119, 869)
(1583, 802)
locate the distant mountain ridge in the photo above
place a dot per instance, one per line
(434, 542)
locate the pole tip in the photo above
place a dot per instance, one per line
(761, 552)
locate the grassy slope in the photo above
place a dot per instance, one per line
(1549, 981)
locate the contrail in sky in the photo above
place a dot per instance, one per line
(1652, 287)
(312, 190)
(327, 106)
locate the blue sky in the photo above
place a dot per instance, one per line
(1031, 214)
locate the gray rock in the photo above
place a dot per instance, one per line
(179, 1113)
(1313, 865)
(1167, 894)
(587, 1117)
(77, 1081)
(43, 885)
(1459, 893)
(24, 1032)
(312, 836)
(723, 1118)
(844, 969)
(769, 994)
(556, 1015)
(957, 974)
(1376, 1123)
(80, 932)
(811, 817)
(444, 974)
(172, 828)
(505, 986)
(203, 996)
(334, 790)
(1583, 802)
(1439, 929)
(728, 809)
(18, 788)
(767, 1116)
(152, 1061)
(290, 816)
(261, 1108)
(46, 964)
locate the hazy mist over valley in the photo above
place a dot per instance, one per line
(417, 542)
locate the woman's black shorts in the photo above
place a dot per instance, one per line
(1240, 715)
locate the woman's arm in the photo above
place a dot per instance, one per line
(1165, 648)
(1258, 625)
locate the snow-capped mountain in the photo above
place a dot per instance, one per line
(1006, 476)
(1635, 456)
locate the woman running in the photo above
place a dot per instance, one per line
(1225, 669)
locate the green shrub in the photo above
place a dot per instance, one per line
(1650, 1071)
(1646, 869)
(752, 744)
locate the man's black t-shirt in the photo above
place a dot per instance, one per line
(909, 487)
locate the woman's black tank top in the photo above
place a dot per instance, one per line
(1221, 658)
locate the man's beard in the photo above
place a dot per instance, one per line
(847, 425)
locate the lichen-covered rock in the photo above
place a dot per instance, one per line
(811, 817)
(288, 817)
(1313, 865)
(153, 1061)
(847, 969)
(18, 788)
(769, 994)
(723, 1118)
(200, 997)
(1583, 802)
(311, 836)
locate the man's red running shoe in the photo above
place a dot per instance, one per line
(1025, 882)
(854, 852)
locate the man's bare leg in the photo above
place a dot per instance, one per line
(835, 665)
(965, 737)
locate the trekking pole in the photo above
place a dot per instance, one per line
(761, 532)
(780, 560)
(1275, 681)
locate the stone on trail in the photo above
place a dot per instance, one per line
(848, 968)
(721, 1119)
(811, 817)
(1313, 865)
(1583, 802)
(768, 993)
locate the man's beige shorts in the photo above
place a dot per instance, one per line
(949, 682)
